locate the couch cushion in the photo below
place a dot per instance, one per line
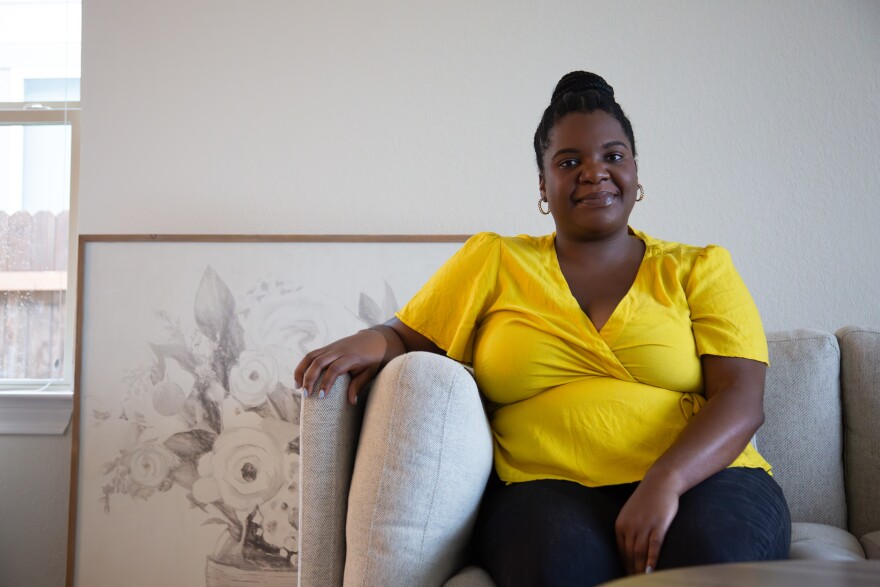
(860, 380)
(822, 542)
(471, 577)
(802, 435)
(871, 544)
(424, 457)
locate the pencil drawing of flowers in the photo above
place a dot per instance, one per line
(215, 416)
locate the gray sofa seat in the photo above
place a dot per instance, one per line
(822, 405)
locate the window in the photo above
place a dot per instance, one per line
(39, 157)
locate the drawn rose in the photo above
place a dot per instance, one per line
(287, 321)
(251, 380)
(280, 515)
(149, 465)
(244, 470)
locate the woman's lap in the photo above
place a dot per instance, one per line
(561, 533)
(548, 533)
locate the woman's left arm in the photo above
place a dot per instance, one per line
(713, 439)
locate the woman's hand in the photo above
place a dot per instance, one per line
(642, 524)
(361, 355)
(710, 442)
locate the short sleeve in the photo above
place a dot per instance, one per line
(448, 308)
(724, 316)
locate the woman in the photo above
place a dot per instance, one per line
(625, 374)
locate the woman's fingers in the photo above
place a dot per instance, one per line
(314, 365)
(642, 525)
(625, 543)
(639, 549)
(358, 382)
(639, 552)
(360, 354)
(325, 370)
(300, 372)
(655, 541)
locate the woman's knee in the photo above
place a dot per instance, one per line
(736, 515)
(546, 533)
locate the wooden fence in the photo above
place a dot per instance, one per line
(33, 293)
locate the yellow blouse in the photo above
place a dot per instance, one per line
(566, 401)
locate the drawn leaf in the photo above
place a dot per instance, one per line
(214, 305)
(190, 445)
(186, 474)
(283, 402)
(215, 521)
(210, 411)
(389, 303)
(229, 347)
(178, 352)
(368, 310)
(107, 468)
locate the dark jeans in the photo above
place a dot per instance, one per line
(555, 533)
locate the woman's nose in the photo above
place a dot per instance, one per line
(593, 172)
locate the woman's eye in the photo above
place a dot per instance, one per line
(615, 157)
(565, 163)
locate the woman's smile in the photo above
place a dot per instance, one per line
(601, 199)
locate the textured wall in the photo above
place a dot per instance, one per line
(756, 124)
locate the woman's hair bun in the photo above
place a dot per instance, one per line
(581, 81)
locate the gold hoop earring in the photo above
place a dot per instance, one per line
(641, 195)
(541, 208)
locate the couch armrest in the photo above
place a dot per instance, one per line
(329, 430)
(871, 545)
(424, 457)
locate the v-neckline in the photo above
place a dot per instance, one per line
(605, 333)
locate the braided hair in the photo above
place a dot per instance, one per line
(583, 92)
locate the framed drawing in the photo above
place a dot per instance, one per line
(186, 421)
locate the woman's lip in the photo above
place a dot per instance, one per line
(595, 200)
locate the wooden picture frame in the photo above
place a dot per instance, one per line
(185, 425)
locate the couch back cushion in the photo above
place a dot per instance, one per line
(424, 457)
(860, 379)
(802, 436)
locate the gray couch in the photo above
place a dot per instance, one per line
(390, 490)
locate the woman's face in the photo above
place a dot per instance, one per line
(590, 177)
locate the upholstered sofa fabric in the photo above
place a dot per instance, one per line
(424, 457)
(860, 376)
(471, 577)
(871, 544)
(824, 542)
(329, 432)
(425, 452)
(801, 436)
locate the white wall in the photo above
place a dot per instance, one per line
(757, 126)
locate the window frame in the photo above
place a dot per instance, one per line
(44, 406)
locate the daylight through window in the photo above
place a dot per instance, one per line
(39, 145)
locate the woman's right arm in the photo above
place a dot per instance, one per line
(361, 355)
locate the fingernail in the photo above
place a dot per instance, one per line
(321, 394)
(649, 570)
(305, 392)
(355, 400)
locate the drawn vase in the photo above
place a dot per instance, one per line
(218, 574)
(235, 564)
